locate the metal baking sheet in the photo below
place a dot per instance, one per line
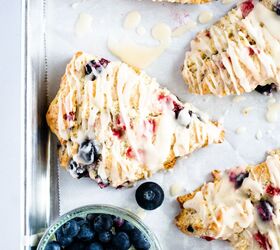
(49, 41)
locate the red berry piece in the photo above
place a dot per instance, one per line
(272, 191)
(262, 240)
(247, 7)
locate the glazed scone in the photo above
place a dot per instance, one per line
(237, 54)
(241, 205)
(185, 1)
(116, 125)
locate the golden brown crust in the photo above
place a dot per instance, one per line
(189, 220)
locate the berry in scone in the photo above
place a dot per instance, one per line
(116, 125)
(238, 54)
(241, 205)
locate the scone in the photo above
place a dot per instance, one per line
(241, 205)
(239, 53)
(185, 1)
(116, 125)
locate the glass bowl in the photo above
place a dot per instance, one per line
(49, 235)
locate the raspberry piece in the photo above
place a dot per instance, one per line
(247, 7)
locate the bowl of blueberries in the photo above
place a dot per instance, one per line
(98, 227)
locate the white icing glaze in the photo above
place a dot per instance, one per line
(161, 32)
(179, 31)
(132, 20)
(272, 112)
(83, 24)
(205, 16)
(134, 54)
(131, 118)
(234, 210)
(241, 130)
(236, 64)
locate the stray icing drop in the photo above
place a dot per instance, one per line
(176, 189)
(83, 24)
(134, 54)
(181, 30)
(205, 16)
(241, 130)
(272, 112)
(161, 32)
(259, 135)
(132, 20)
(238, 99)
(247, 110)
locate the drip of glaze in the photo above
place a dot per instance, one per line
(181, 30)
(83, 24)
(132, 20)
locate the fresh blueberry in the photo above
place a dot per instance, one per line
(63, 240)
(53, 245)
(240, 178)
(95, 246)
(121, 241)
(86, 233)
(149, 195)
(139, 240)
(90, 217)
(70, 228)
(105, 237)
(76, 245)
(118, 222)
(126, 227)
(80, 220)
(266, 89)
(265, 210)
(87, 152)
(103, 222)
(177, 109)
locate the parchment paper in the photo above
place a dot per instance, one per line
(108, 16)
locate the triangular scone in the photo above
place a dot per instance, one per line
(242, 206)
(117, 125)
(185, 1)
(238, 53)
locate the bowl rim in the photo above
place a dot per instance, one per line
(104, 209)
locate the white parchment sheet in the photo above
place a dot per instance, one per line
(108, 16)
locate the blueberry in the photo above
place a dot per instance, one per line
(103, 222)
(121, 241)
(53, 245)
(237, 179)
(105, 237)
(70, 228)
(240, 178)
(126, 227)
(90, 217)
(80, 220)
(265, 210)
(76, 170)
(95, 246)
(149, 195)
(63, 240)
(276, 8)
(87, 152)
(104, 62)
(177, 109)
(139, 240)
(86, 233)
(118, 222)
(266, 89)
(190, 229)
(88, 69)
(76, 245)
